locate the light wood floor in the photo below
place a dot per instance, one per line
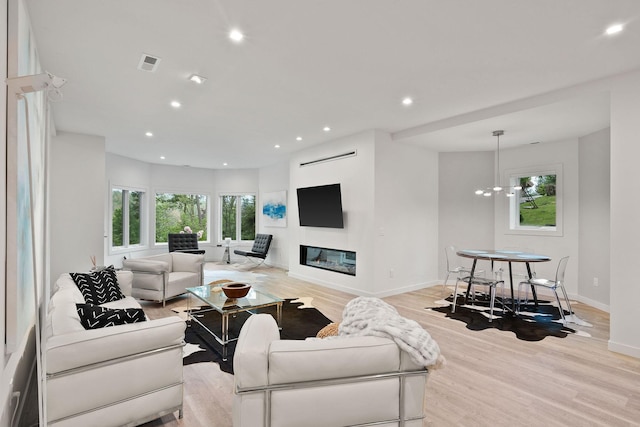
(491, 377)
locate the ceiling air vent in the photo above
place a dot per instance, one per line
(148, 63)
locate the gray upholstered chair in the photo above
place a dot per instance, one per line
(261, 245)
(161, 277)
(184, 242)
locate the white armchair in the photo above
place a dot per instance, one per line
(115, 376)
(161, 277)
(323, 382)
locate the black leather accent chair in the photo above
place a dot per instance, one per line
(260, 247)
(184, 242)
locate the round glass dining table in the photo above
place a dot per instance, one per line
(507, 256)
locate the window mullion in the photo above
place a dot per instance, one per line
(125, 218)
(238, 218)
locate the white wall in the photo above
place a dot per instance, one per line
(275, 178)
(152, 178)
(595, 206)
(77, 189)
(356, 178)
(556, 247)
(123, 171)
(389, 198)
(625, 206)
(406, 217)
(465, 219)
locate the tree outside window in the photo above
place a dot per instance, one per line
(537, 204)
(238, 216)
(174, 212)
(126, 217)
(536, 207)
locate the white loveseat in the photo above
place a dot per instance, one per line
(339, 381)
(164, 276)
(114, 376)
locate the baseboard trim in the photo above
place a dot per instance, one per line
(410, 288)
(624, 349)
(325, 284)
(360, 292)
(591, 303)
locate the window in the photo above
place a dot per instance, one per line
(126, 217)
(175, 212)
(238, 216)
(537, 207)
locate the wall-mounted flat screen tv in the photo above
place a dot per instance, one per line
(320, 206)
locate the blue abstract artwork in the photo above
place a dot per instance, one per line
(274, 209)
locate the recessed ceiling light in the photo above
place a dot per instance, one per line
(407, 101)
(276, 146)
(197, 79)
(175, 104)
(236, 35)
(298, 138)
(225, 164)
(162, 157)
(149, 134)
(326, 128)
(614, 29)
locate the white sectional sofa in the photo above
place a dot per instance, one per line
(323, 382)
(121, 375)
(164, 276)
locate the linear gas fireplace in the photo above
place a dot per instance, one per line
(329, 259)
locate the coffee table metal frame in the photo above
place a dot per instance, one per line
(216, 300)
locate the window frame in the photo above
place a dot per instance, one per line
(238, 216)
(180, 192)
(144, 226)
(513, 209)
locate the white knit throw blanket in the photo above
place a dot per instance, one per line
(372, 316)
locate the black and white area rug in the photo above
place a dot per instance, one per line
(531, 324)
(299, 321)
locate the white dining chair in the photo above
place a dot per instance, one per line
(553, 285)
(492, 284)
(458, 270)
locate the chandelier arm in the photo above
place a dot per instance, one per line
(497, 187)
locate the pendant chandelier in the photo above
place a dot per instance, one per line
(497, 188)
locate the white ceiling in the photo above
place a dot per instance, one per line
(345, 64)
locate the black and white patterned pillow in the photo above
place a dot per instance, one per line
(98, 287)
(94, 316)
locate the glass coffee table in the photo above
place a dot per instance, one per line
(215, 300)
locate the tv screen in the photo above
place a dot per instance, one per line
(320, 206)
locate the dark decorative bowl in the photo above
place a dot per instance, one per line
(236, 289)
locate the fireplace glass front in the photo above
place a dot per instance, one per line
(328, 259)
